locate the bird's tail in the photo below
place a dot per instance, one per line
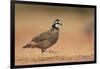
(30, 45)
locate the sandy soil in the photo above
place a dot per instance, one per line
(74, 45)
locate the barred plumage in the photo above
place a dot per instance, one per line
(46, 39)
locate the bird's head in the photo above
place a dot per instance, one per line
(56, 24)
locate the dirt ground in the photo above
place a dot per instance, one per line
(73, 45)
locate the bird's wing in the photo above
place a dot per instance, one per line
(41, 37)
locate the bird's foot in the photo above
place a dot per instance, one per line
(52, 52)
(45, 51)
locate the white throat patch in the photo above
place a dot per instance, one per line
(57, 25)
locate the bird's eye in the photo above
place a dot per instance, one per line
(59, 22)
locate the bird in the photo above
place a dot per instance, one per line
(46, 39)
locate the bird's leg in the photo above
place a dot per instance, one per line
(42, 50)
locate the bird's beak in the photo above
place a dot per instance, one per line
(60, 24)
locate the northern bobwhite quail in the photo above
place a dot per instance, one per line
(46, 39)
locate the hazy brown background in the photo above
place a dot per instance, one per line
(31, 20)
